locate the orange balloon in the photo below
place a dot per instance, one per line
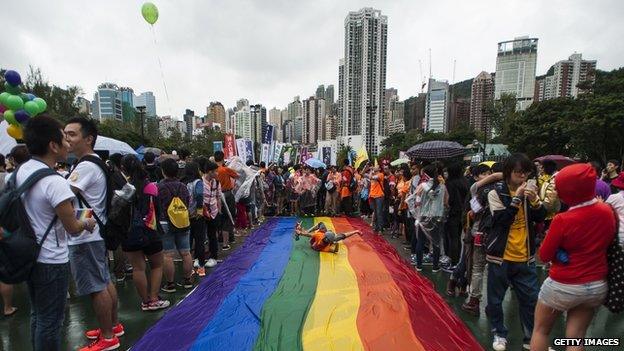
(15, 132)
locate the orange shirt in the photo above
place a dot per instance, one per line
(347, 173)
(376, 187)
(403, 188)
(224, 176)
(317, 243)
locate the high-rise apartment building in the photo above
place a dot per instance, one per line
(564, 82)
(297, 129)
(189, 122)
(341, 89)
(243, 123)
(459, 113)
(414, 112)
(331, 124)
(106, 103)
(481, 96)
(437, 108)
(320, 92)
(215, 114)
(364, 79)
(516, 62)
(258, 117)
(295, 109)
(287, 131)
(313, 115)
(275, 119)
(148, 100)
(329, 95)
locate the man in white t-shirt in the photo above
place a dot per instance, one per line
(87, 252)
(49, 202)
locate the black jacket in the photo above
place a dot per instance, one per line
(503, 215)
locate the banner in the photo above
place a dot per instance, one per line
(272, 151)
(249, 146)
(229, 145)
(403, 155)
(217, 146)
(242, 149)
(325, 154)
(264, 157)
(304, 155)
(287, 153)
(267, 135)
(279, 147)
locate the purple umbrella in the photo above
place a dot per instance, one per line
(560, 160)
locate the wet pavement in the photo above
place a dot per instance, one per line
(15, 335)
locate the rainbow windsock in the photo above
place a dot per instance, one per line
(150, 218)
(275, 293)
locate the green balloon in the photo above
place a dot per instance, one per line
(149, 12)
(32, 108)
(3, 98)
(9, 116)
(11, 89)
(14, 102)
(24, 97)
(41, 103)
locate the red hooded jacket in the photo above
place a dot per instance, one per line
(584, 232)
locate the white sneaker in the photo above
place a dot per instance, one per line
(211, 263)
(499, 344)
(196, 263)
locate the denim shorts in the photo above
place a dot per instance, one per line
(564, 297)
(175, 241)
(89, 267)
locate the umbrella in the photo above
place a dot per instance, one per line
(487, 163)
(315, 163)
(437, 149)
(113, 146)
(399, 161)
(560, 160)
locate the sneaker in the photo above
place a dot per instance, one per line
(128, 269)
(419, 268)
(102, 345)
(427, 260)
(445, 260)
(201, 271)
(196, 264)
(94, 334)
(145, 306)
(187, 284)
(159, 304)
(120, 279)
(435, 269)
(226, 247)
(211, 263)
(499, 343)
(169, 288)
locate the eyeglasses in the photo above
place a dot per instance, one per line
(521, 171)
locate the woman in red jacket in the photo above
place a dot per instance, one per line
(576, 244)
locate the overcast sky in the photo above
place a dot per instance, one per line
(271, 50)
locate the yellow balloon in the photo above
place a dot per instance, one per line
(15, 132)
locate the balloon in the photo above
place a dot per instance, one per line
(3, 98)
(149, 12)
(41, 103)
(14, 102)
(21, 116)
(24, 97)
(32, 108)
(9, 116)
(11, 89)
(30, 96)
(15, 132)
(13, 78)
(2, 109)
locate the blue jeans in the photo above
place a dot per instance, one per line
(379, 213)
(47, 288)
(522, 277)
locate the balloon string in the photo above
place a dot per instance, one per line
(162, 73)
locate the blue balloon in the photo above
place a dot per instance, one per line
(31, 97)
(21, 116)
(13, 78)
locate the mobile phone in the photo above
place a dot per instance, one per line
(532, 183)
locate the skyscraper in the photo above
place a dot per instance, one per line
(437, 108)
(330, 128)
(275, 119)
(329, 95)
(320, 92)
(258, 117)
(515, 70)
(148, 100)
(564, 82)
(216, 114)
(107, 103)
(295, 109)
(481, 95)
(313, 115)
(242, 122)
(189, 122)
(414, 112)
(341, 89)
(366, 33)
(297, 129)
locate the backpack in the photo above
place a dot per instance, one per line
(615, 260)
(197, 197)
(19, 249)
(178, 214)
(111, 234)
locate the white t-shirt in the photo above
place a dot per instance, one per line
(40, 202)
(617, 201)
(91, 181)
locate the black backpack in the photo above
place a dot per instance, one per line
(19, 249)
(111, 234)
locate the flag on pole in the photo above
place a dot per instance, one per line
(376, 163)
(362, 155)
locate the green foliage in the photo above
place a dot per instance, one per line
(462, 90)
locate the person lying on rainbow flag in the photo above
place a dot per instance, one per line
(321, 239)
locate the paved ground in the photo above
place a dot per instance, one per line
(14, 331)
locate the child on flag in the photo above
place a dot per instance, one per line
(321, 239)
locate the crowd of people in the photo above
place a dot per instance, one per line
(490, 219)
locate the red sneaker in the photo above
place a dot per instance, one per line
(102, 344)
(94, 334)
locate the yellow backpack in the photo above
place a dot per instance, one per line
(178, 213)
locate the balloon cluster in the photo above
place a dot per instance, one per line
(17, 107)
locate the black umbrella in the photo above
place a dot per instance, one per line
(437, 149)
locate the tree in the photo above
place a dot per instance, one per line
(61, 102)
(501, 110)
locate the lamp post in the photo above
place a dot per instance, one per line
(485, 135)
(141, 110)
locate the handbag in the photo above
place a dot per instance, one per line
(615, 278)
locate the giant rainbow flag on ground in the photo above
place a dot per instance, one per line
(275, 293)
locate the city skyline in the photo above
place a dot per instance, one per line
(213, 69)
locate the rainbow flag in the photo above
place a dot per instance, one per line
(275, 293)
(84, 213)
